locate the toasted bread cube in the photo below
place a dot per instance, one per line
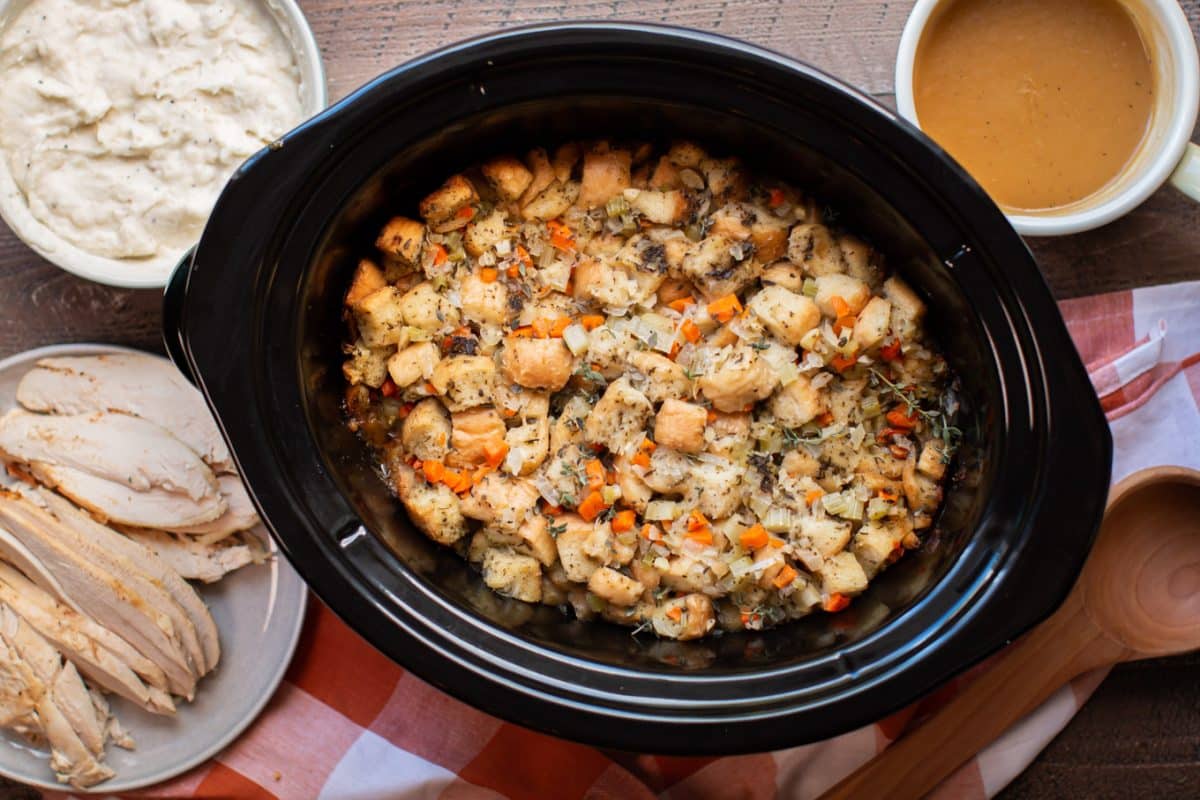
(932, 461)
(537, 363)
(785, 274)
(380, 318)
(798, 403)
(618, 589)
(367, 365)
(445, 202)
(786, 314)
(402, 239)
(686, 154)
(536, 539)
(473, 433)
(907, 308)
(464, 381)
(508, 176)
(433, 508)
(542, 172)
(668, 207)
(827, 536)
(513, 575)
(873, 323)
(368, 279)
(873, 545)
(842, 574)
(620, 416)
(605, 175)
(426, 430)
(853, 291)
(425, 308)
(413, 364)
(554, 202)
(813, 247)
(482, 234)
(482, 301)
(578, 565)
(680, 425)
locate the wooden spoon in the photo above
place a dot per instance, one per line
(1137, 597)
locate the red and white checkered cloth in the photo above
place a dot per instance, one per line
(347, 723)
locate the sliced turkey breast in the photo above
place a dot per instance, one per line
(98, 653)
(239, 516)
(71, 694)
(17, 554)
(112, 600)
(113, 729)
(127, 561)
(191, 559)
(70, 758)
(199, 621)
(124, 468)
(140, 384)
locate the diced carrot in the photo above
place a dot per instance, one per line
(494, 453)
(884, 494)
(389, 388)
(681, 304)
(466, 212)
(405, 410)
(898, 418)
(702, 536)
(595, 474)
(711, 417)
(591, 321)
(481, 473)
(725, 308)
(541, 328)
(434, 471)
(835, 603)
(691, 331)
(416, 463)
(560, 236)
(745, 617)
(430, 388)
(785, 576)
(523, 254)
(641, 460)
(624, 521)
(886, 434)
(651, 533)
(891, 351)
(775, 542)
(560, 325)
(753, 537)
(592, 506)
(894, 556)
(844, 323)
(696, 521)
(489, 274)
(675, 613)
(898, 452)
(439, 255)
(825, 419)
(513, 272)
(551, 511)
(675, 348)
(647, 446)
(813, 495)
(840, 306)
(776, 199)
(508, 412)
(842, 363)
(523, 332)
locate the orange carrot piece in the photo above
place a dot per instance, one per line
(776, 198)
(489, 274)
(725, 308)
(813, 495)
(785, 576)
(641, 460)
(591, 321)
(523, 332)
(434, 471)
(891, 351)
(560, 325)
(624, 521)
(651, 533)
(439, 255)
(592, 506)
(753, 537)
(696, 521)
(775, 542)
(846, 322)
(840, 306)
(681, 304)
(647, 446)
(884, 494)
(898, 452)
(595, 474)
(551, 511)
(842, 363)
(897, 418)
(494, 453)
(389, 388)
(825, 419)
(430, 388)
(541, 328)
(523, 254)
(466, 212)
(691, 331)
(513, 272)
(675, 613)
(702, 536)
(835, 603)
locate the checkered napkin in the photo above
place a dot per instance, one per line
(347, 723)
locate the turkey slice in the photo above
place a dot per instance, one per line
(98, 653)
(140, 384)
(199, 622)
(240, 514)
(110, 599)
(125, 469)
(191, 559)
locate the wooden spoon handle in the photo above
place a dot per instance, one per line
(1064, 646)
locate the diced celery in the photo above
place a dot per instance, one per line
(660, 510)
(809, 287)
(778, 520)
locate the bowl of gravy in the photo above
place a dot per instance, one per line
(1069, 114)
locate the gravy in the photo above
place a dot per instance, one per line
(1044, 103)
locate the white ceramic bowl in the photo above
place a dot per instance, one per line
(151, 273)
(1166, 148)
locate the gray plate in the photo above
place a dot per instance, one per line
(259, 611)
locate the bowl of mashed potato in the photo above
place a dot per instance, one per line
(121, 121)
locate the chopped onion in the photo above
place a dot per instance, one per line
(741, 567)
(759, 502)
(809, 342)
(822, 380)
(778, 519)
(611, 494)
(514, 461)
(691, 179)
(547, 490)
(857, 434)
(504, 247)
(788, 374)
(575, 337)
(661, 510)
(487, 260)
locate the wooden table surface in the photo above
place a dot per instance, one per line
(1140, 735)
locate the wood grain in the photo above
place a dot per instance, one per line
(1140, 733)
